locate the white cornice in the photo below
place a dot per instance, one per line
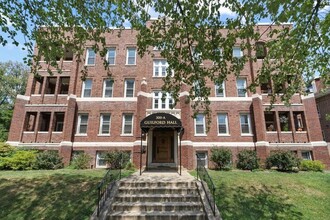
(23, 97)
(46, 105)
(112, 99)
(145, 94)
(103, 144)
(230, 99)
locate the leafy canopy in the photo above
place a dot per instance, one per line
(188, 33)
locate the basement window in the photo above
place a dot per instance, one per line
(202, 159)
(307, 155)
(100, 160)
(30, 121)
(44, 121)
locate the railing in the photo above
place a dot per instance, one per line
(105, 186)
(204, 177)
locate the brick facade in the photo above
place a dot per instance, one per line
(37, 116)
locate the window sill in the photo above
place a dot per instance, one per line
(247, 135)
(286, 132)
(49, 95)
(90, 65)
(130, 64)
(80, 135)
(28, 132)
(223, 135)
(271, 132)
(67, 61)
(43, 132)
(57, 132)
(103, 135)
(62, 94)
(301, 132)
(35, 94)
(200, 135)
(126, 135)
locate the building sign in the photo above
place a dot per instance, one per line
(162, 120)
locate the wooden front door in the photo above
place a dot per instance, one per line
(162, 146)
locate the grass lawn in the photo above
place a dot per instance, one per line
(49, 194)
(272, 195)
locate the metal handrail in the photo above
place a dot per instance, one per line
(105, 185)
(204, 176)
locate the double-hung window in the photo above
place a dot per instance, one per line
(107, 88)
(160, 68)
(82, 124)
(90, 56)
(241, 87)
(237, 52)
(127, 128)
(131, 56)
(129, 88)
(200, 124)
(220, 89)
(87, 88)
(111, 56)
(245, 123)
(105, 124)
(162, 103)
(222, 123)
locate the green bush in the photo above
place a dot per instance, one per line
(80, 160)
(6, 150)
(312, 165)
(48, 160)
(282, 160)
(248, 160)
(20, 160)
(130, 166)
(117, 159)
(221, 157)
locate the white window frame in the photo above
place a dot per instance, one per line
(105, 88)
(202, 123)
(114, 58)
(87, 57)
(309, 156)
(127, 55)
(158, 64)
(79, 124)
(126, 88)
(84, 88)
(98, 158)
(102, 123)
(223, 90)
(249, 123)
(158, 103)
(239, 88)
(124, 124)
(240, 50)
(226, 123)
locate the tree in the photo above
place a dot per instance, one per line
(186, 30)
(13, 79)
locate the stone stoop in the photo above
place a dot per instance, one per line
(157, 198)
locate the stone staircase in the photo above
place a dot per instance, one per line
(157, 196)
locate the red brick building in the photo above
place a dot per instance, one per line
(64, 113)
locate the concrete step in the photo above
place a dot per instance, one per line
(158, 198)
(157, 206)
(159, 190)
(180, 184)
(189, 215)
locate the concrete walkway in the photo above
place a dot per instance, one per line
(166, 176)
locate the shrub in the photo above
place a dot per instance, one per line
(80, 160)
(48, 160)
(117, 159)
(282, 160)
(130, 166)
(6, 150)
(312, 165)
(20, 160)
(248, 160)
(221, 157)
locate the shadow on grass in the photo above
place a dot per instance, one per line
(59, 196)
(254, 203)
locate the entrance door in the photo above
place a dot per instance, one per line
(162, 145)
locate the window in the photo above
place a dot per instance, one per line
(105, 124)
(30, 121)
(68, 54)
(241, 87)
(160, 103)
(217, 55)
(44, 121)
(284, 118)
(111, 56)
(197, 56)
(299, 121)
(200, 124)
(131, 56)
(58, 121)
(261, 50)
(100, 160)
(37, 84)
(245, 123)
(222, 123)
(51, 85)
(127, 124)
(129, 88)
(90, 57)
(202, 159)
(266, 88)
(237, 52)
(270, 121)
(107, 88)
(197, 88)
(64, 85)
(306, 155)
(87, 88)
(160, 68)
(220, 90)
(82, 124)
